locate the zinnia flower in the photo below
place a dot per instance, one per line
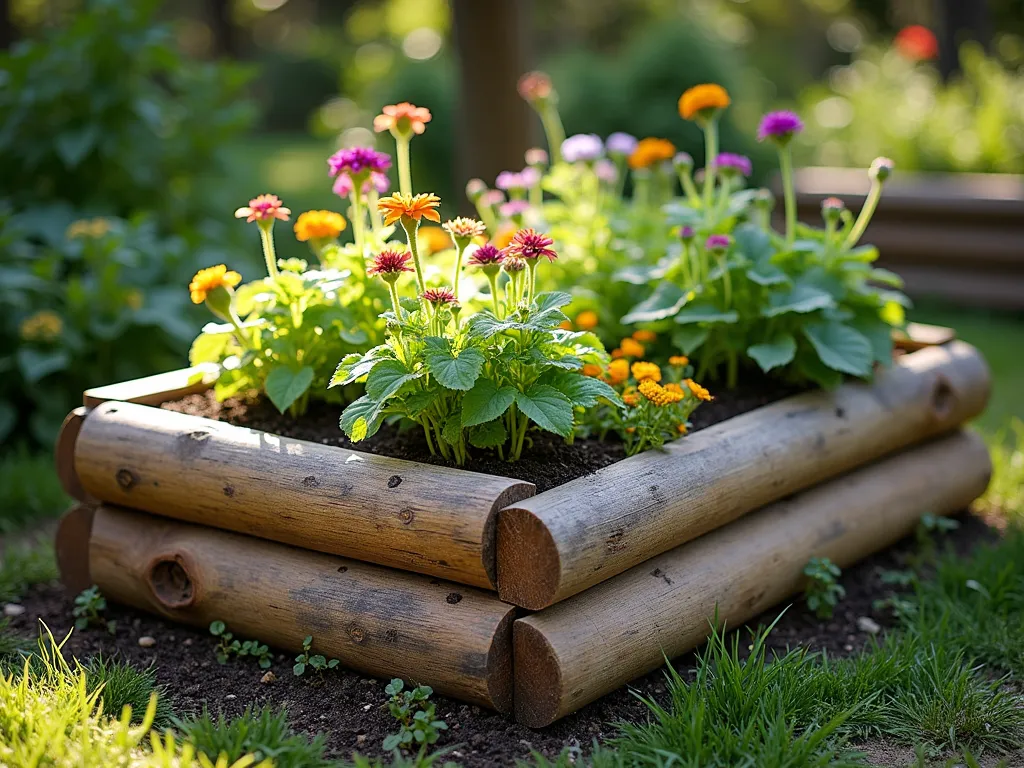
(643, 371)
(536, 157)
(618, 371)
(263, 208)
(621, 144)
(465, 229)
(587, 320)
(319, 225)
(780, 127)
(606, 171)
(718, 243)
(514, 208)
(682, 429)
(702, 100)
(650, 151)
(535, 86)
(492, 197)
(698, 390)
(402, 119)
(591, 370)
(486, 256)
(644, 335)
(390, 262)
(673, 387)
(679, 360)
(410, 207)
(343, 185)
(528, 244)
(683, 161)
(881, 168)
(42, 326)
(475, 188)
(631, 348)
(657, 394)
(917, 43)
(583, 147)
(210, 279)
(510, 180)
(440, 297)
(729, 162)
(357, 162)
(687, 233)
(512, 264)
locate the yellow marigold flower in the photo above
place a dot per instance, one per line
(631, 348)
(657, 394)
(698, 390)
(643, 371)
(590, 369)
(682, 429)
(702, 97)
(586, 320)
(644, 335)
(42, 326)
(435, 239)
(209, 279)
(399, 206)
(650, 151)
(673, 387)
(679, 360)
(319, 225)
(617, 354)
(631, 398)
(618, 371)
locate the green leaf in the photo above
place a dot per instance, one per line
(485, 402)
(452, 431)
(879, 334)
(284, 386)
(754, 243)
(362, 418)
(800, 298)
(8, 418)
(552, 300)
(450, 371)
(488, 435)
(548, 408)
(391, 741)
(73, 146)
(765, 273)
(585, 391)
(841, 347)
(667, 299)
(885, 277)
(774, 354)
(35, 364)
(209, 348)
(355, 366)
(689, 339)
(416, 402)
(705, 312)
(386, 378)
(809, 364)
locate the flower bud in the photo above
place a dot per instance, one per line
(764, 199)
(881, 169)
(687, 233)
(683, 161)
(832, 209)
(536, 157)
(475, 188)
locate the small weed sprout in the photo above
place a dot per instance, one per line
(938, 524)
(315, 661)
(823, 591)
(88, 611)
(228, 646)
(415, 714)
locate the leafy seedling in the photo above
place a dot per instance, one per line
(416, 717)
(823, 591)
(315, 661)
(88, 611)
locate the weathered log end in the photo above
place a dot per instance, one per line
(513, 494)
(529, 565)
(64, 454)
(501, 666)
(538, 676)
(71, 547)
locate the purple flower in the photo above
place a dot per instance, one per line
(621, 144)
(492, 197)
(606, 171)
(530, 176)
(728, 161)
(509, 180)
(343, 185)
(780, 127)
(583, 147)
(687, 233)
(358, 161)
(514, 208)
(718, 243)
(536, 156)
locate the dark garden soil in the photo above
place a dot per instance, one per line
(348, 707)
(547, 461)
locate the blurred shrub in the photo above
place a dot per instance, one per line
(889, 103)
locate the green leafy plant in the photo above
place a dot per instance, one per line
(419, 726)
(312, 661)
(229, 647)
(823, 591)
(88, 611)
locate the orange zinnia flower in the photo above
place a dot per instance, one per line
(650, 151)
(319, 225)
(657, 394)
(679, 360)
(618, 371)
(701, 98)
(435, 239)
(643, 371)
(644, 335)
(399, 206)
(698, 390)
(403, 118)
(592, 370)
(631, 348)
(209, 279)
(586, 320)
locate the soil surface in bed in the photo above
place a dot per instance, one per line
(547, 460)
(349, 707)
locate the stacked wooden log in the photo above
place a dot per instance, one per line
(474, 584)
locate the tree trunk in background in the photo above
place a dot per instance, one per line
(494, 123)
(960, 20)
(222, 26)
(8, 33)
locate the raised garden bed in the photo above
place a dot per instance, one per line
(604, 558)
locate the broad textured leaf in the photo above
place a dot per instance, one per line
(451, 371)
(485, 402)
(809, 364)
(73, 146)
(689, 338)
(35, 364)
(355, 366)
(548, 408)
(386, 378)
(841, 347)
(361, 419)
(451, 433)
(552, 300)
(284, 386)
(774, 354)
(753, 242)
(885, 277)
(555, 359)
(208, 348)
(585, 391)
(879, 335)
(766, 273)
(488, 435)
(800, 298)
(705, 312)
(667, 299)
(416, 402)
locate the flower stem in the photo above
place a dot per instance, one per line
(531, 265)
(692, 195)
(404, 170)
(396, 303)
(358, 223)
(710, 161)
(372, 198)
(789, 192)
(459, 250)
(269, 254)
(726, 281)
(865, 215)
(493, 279)
(554, 132)
(411, 239)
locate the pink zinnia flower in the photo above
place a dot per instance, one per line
(687, 233)
(719, 243)
(512, 264)
(485, 256)
(536, 157)
(514, 208)
(780, 126)
(475, 188)
(534, 86)
(731, 162)
(357, 162)
(343, 185)
(528, 244)
(390, 262)
(440, 297)
(264, 208)
(492, 197)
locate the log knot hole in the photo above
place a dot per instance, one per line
(126, 479)
(357, 634)
(171, 583)
(453, 598)
(394, 481)
(406, 516)
(943, 398)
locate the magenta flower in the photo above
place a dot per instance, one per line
(343, 185)
(514, 208)
(530, 176)
(780, 127)
(390, 263)
(486, 255)
(530, 245)
(583, 147)
(358, 162)
(687, 233)
(729, 162)
(475, 188)
(718, 243)
(440, 297)
(621, 144)
(510, 180)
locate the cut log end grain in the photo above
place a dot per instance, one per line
(64, 454)
(71, 548)
(573, 652)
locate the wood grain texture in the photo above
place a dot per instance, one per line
(154, 390)
(417, 517)
(383, 622)
(64, 453)
(571, 653)
(572, 537)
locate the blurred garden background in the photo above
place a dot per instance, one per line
(130, 131)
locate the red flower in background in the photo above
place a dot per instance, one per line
(917, 43)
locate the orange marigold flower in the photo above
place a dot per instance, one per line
(657, 394)
(435, 239)
(618, 371)
(650, 151)
(209, 279)
(682, 429)
(646, 371)
(698, 390)
(673, 387)
(702, 97)
(402, 118)
(264, 208)
(679, 360)
(586, 320)
(319, 225)
(617, 353)
(631, 348)
(631, 398)
(565, 325)
(399, 206)
(592, 370)
(644, 335)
